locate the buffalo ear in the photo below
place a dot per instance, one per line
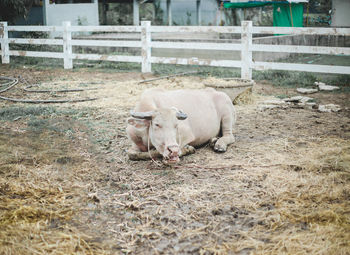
(180, 115)
(138, 123)
(142, 115)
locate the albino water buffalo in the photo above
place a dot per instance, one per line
(170, 120)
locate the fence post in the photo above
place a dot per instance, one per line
(246, 52)
(67, 45)
(146, 46)
(5, 49)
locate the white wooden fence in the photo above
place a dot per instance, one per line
(246, 47)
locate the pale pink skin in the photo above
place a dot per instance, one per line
(209, 112)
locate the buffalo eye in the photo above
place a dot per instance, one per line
(158, 126)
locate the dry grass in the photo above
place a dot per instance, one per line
(245, 98)
(228, 82)
(282, 188)
(38, 196)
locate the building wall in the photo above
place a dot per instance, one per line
(340, 13)
(77, 14)
(184, 12)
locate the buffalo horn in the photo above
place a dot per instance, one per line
(142, 115)
(180, 115)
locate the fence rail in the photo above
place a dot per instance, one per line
(246, 46)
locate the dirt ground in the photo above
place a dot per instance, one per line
(68, 187)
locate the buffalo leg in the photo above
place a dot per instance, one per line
(137, 141)
(227, 136)
(139, 155)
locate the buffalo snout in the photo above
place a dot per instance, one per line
(172, 153)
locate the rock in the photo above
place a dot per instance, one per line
(264, 107)
(324, 87)
(294, 102)
(306, 91)
(298, 99)
(310, 105)
(274, 102)
(329, 108)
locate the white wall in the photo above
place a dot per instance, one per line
(340, 13)
(77, 14)
(184, 12)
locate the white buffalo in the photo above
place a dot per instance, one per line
(169, 121)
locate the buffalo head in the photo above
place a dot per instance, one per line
(162, 127)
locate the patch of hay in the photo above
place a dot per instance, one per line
(36, 207)
(330, 156)
(34, 222)
(227, 83)
(43, 238)
(26, 214)
(246, 97)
